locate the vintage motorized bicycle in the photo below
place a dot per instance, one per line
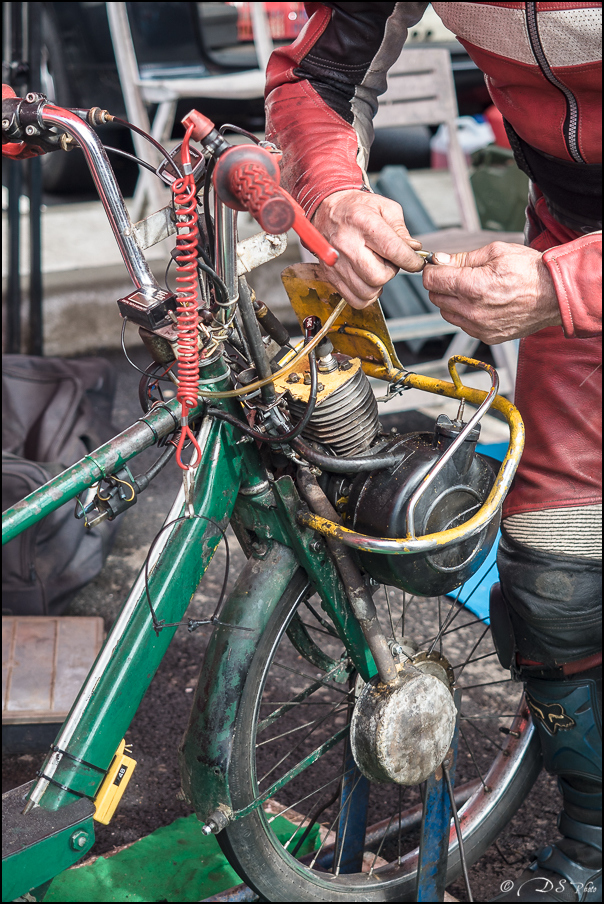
(339, 684)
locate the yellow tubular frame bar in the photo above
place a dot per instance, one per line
(438, 541)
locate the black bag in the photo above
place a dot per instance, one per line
(54, 411)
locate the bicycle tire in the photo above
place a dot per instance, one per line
(274, 875)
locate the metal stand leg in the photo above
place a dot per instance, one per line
(435, 830)
(352, 824)
(13, 301)
(34, 50)
(36, 325)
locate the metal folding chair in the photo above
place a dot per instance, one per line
(164, 86)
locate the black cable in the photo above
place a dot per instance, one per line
(131, 362)
(168, 289)
(344, 465)
(131, 157)
(229, 127)
(202, 254)
(218, 283)
(254, 338)
(191, 624)
(156, 144)
(284, 437)
(246, 349)
(143, 386)
(143, 480)
(206, 206)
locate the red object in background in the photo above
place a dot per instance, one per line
(18, 150)
(285, 20)
(495, 120)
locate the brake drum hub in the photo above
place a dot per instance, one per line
(402, 734)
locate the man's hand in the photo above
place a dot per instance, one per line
(370, 234)
(496, 293)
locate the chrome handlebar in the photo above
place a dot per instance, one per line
(108, 189)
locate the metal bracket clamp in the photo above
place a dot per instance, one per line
(450, 452)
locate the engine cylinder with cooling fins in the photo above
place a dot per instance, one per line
(346, 413)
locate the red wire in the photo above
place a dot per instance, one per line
(187, 291)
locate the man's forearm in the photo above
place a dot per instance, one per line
(322, 93)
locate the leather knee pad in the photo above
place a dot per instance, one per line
(553, 605)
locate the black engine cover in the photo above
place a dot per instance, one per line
(378, 501)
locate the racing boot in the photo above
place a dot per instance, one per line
(567, 716)
(546, 625)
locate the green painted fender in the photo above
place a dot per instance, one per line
(205, 751)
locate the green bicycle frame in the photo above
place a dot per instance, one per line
(230, 481)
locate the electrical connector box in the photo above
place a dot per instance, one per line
(148, 307)
(167, 173)
(114, 784)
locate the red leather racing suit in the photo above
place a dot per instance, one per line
(542, 66)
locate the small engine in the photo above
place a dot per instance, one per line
(377, 505)
(345, 418)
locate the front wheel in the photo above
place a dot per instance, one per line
(294, 705)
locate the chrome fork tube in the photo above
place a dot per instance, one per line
(225, 228)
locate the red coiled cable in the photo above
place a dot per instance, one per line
(188, 299)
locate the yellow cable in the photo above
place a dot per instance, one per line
(286, 369)
(125, 482)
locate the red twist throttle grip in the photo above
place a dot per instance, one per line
(247, 178)
(259, 194)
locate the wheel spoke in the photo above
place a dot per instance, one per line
(297, 803)
(494, 716)
(285, 733)
(440, 622)
(475, 621)
(316, 813)
(335, 819)
(469, 687)
(321, 620)
(322, 681)
(301, 741)
(485, 736)
(475, 647)
(462, 853)
(299, 698)
(449, 618)
(472, 757)
(387, 595)
(320, 630)
(379, 850)
(476, 659)
(347, 803)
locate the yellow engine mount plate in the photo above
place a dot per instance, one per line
(360, 334)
